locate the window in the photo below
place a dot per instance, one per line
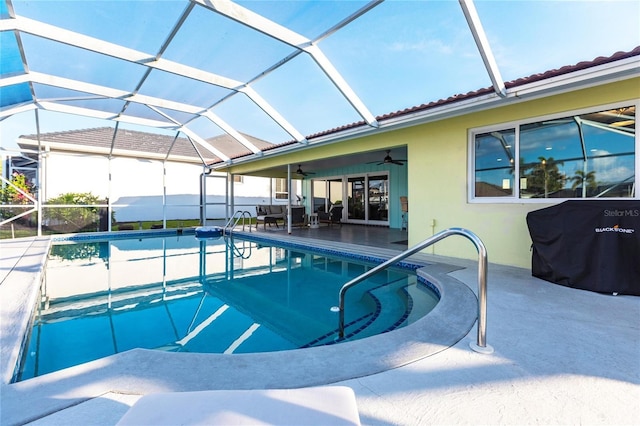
(282, 189)
(494, 163)
(238, 178)
(589, 155)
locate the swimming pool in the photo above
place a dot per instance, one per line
(180, 294)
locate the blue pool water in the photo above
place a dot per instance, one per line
(181, 294)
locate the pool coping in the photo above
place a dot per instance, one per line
(142, 371)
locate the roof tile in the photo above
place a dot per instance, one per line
(601, 60)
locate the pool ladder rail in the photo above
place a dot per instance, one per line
(239, 215)
(481, 344)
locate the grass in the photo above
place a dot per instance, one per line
(6, 232)
(21, 231)
(171, 224)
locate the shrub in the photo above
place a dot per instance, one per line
(72, 219)
(10, 195)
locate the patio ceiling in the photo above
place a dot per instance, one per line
(282, 72)
(317, 165)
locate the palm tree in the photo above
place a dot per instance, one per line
(587, 181)
(543, 177)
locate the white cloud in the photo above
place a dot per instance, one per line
(423, 46)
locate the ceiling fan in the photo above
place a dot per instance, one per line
(388, 160)
(301, 173)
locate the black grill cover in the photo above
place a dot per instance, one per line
(588, 244)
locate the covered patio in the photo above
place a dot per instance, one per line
(334, 94)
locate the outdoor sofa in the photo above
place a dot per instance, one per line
(277, 214)
(270, 214)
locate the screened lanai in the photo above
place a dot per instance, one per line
(241, 81)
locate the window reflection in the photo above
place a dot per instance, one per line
(378, 198)
(494, 163)
(356, 193)
(583, 156)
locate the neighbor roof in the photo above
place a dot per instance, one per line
(131, 143)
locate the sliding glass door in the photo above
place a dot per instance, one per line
(357, 198)
(366, 197)
(326, 193)
(378, 201)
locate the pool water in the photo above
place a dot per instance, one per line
(181, 294)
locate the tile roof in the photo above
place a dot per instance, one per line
(601, 60)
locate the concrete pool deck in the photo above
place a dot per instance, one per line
(562, 356)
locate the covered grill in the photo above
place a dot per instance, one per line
(591, 245)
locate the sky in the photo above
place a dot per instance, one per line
(398, 55)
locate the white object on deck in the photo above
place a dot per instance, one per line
(313, 220)
(324, 405)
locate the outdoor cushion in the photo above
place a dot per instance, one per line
(323, 405)
(270, 214)
(269, 210)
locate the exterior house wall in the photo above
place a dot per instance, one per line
(136, 189)
(439, 177)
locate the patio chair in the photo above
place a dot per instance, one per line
(334, 215)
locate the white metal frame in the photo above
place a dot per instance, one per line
(155, 61)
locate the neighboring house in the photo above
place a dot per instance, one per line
(140, 177)
(482, 160)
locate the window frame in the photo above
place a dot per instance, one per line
(516, 124)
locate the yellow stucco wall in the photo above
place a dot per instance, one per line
(438, 176)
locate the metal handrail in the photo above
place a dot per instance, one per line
(235, 250)
(243, 214)
(482, 280)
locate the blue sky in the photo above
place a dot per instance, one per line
(398, 55)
